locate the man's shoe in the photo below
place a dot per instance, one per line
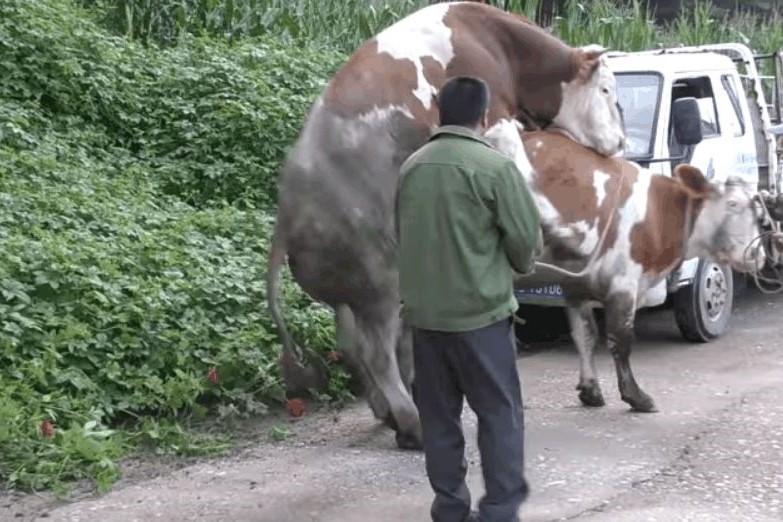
(473, 516)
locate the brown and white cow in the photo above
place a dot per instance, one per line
(335, 216)
(619, 230)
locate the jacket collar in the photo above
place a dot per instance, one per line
(458, 131)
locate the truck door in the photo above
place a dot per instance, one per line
(728, 148)
(701, 89)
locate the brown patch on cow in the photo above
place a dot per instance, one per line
(523, 65)
(370, 80)
(658, 243)
(693, 180)
(563, 170)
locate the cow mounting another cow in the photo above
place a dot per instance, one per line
(336, 201)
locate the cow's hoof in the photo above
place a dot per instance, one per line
(642, 404)
(406, 441)
(590, 394)
(592, 397)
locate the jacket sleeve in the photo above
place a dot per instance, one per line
(518, 219)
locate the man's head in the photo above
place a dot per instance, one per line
(464, 101)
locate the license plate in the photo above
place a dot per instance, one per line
(547, 291)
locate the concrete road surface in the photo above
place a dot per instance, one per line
(714, 452)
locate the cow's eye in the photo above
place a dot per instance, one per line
(605, 90)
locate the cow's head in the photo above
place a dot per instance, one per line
(589, 109)
(727, 226)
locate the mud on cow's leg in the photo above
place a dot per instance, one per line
(620, 314)
(369, 336)
(584, 332)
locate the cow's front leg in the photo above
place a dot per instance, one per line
(620, 314)
(584, 332)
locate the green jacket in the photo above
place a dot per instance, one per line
(465, 222)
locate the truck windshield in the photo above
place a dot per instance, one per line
(638, 94)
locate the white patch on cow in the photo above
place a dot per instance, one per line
(726, 227)
(585, 341)
(616, 265)
(325, 131)
(504, 136)
(420, 35)
(655, 295)
(588, 111)
(591, 238)
(382, 114)
(599, 182)
(354, 131)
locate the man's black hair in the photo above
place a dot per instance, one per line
(463, 101)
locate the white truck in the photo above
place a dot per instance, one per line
(741, 132)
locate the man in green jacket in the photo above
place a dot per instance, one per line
(466, 222)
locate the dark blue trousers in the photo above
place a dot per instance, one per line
(479, 365)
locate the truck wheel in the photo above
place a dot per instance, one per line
(703, 308)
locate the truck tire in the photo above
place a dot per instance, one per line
(703, 309)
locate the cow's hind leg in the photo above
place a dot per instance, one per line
(347, 343)
(584, 332)
(369, 338)
(405, 355)
(620, 314)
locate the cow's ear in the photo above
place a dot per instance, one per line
(694, 181)
(586, 61)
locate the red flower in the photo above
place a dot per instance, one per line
(212, 376)
(47, 429)
(295, 407)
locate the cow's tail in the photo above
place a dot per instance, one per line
(299, 378)
(277, 253)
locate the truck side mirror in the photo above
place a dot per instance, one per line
(687, 121)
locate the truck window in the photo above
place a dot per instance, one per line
(736, 121)
(639, 96)
(701, 89)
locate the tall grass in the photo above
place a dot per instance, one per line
(335, 23)
(345, 24)
(618, 27)
(629, 27)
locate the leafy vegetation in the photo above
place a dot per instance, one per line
(129, 288)
(139, 145)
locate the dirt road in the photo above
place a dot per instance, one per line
(712, 453)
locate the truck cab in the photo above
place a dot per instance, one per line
(706, 106)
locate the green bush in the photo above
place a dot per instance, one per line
(210, 120)
(118, 301)
(226, 115)
(123, 308)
